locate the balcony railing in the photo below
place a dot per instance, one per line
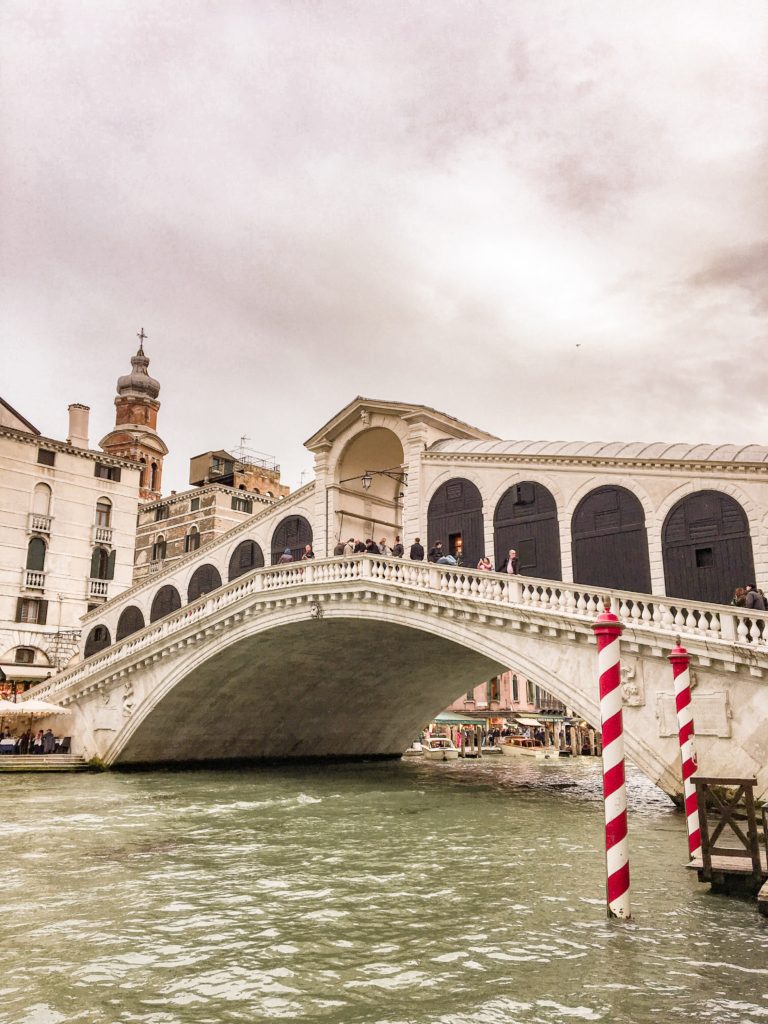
(34, 580)
(102, 535)
(39, 523)
(98, 588)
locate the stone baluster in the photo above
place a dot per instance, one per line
(742, 633)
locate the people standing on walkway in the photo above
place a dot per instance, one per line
(510, 564)
(349, 547)
(436, 552)
(485, 564)
(285, 557)
(397, 548)
(360, 548)
(417, 551)
(384, 548)
(371, 547)
(37, 743)
(338, 550)
(49, 742)
(307, 553)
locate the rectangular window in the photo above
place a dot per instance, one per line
(161, 512)
(515, 690)
(24, 656)
(242, 505)
(529, 691)
(32, 611)
(46, 457)
(106, 472)
(194, 505)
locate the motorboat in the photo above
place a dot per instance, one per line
(439, 748)
(523, 746)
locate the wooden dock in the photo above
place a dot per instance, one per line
(728, 816)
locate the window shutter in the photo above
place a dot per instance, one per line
(19, 606)
(95, 563)
(43, 610)
(111, 564)
(116, 476)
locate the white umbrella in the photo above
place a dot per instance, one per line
(7, 705)
(34, 708)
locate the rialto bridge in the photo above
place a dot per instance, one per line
(224, 656)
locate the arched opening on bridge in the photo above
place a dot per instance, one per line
(165, 601)
(96, 641)
(610, 542)
(371, 483)
(204, 579)
(131, 621)
(526, 520)
(707, 548)
(294, 533)
(455, 518)
(246, 557)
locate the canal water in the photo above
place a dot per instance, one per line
(381, 893)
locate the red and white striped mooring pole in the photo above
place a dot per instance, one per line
(681, 659)
(608, 630)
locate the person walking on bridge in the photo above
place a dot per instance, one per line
(436, 552)
(417, 551)
(510, 563)
(754, 598)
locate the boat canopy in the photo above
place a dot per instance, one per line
(451, 718)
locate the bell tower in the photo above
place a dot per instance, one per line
(135, 433)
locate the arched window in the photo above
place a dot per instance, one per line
(131, 621)
(97, 640)
(294, 533)
(103, 512)
(143, 474)
(165, 601)
(455, 518)
(707, 548)
(153, 477)
(36, 555)
(103, 564)
(609, 541)
(246, 557)
(158, 549)
(515, 689)
(192, 539)
(526, 520)
(203, 580)
(41, 500)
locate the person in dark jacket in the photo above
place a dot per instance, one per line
(371, 547)
(754, 598)
(397, 548)
(509, 563)
(359, 547)
(436, 552)
(338, 550)
(417, 551)
(307, 553)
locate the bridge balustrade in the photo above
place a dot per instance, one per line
(713, 623)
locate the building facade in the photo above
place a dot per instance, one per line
(246, 471)
(66, 541)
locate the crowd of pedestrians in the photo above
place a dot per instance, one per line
(416, 553)
(30, 743)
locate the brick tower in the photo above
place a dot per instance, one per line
(135, 433)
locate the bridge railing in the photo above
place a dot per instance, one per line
(664, 616)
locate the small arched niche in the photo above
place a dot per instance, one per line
(371, 479)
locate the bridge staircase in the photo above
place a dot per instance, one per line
(43, 763)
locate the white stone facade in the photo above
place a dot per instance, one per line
(54, 503)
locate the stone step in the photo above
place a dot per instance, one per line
(42, 763)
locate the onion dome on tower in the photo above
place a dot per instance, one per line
(135, 433)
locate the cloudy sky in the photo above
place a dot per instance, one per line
(547, 217)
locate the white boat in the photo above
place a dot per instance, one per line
(522, 746)
(439, 748)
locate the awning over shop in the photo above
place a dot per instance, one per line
(451, 718)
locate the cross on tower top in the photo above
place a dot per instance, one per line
(141, 336)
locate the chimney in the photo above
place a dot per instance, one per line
(78, 425)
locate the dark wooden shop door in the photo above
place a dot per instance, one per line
(610, 543)
(295, 533)
(526, 520)
(455, 517)
(706, 548)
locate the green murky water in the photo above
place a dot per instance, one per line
(400, 893)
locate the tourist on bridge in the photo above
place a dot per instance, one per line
(384, 548)
(307, 553)
(436, 552)
(338, 550)
(754, 598)
(360, 548)
(739, 597)
(510, 564)
(285, 557)
(397, 548)
(371, 548)
(417, 551)
(485, 564)
(349, 547)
